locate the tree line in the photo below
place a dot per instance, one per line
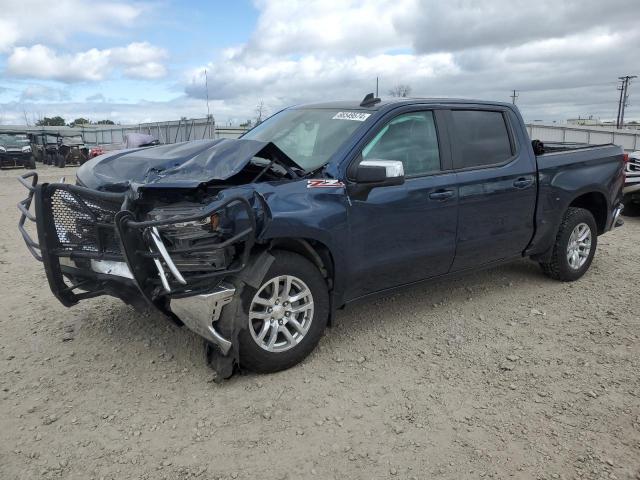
(59, 121)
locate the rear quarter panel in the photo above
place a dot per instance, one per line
(565, 176)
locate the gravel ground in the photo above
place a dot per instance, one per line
(500, 374)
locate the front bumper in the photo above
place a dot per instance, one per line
(91, 244)
(14, 159)
(200, 312)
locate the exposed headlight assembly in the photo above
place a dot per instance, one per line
(210, 223)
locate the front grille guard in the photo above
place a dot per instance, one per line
(141, 245)
(153, 248)
(25, 214)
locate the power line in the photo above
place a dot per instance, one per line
(624, 98)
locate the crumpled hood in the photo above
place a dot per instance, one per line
(179, 165)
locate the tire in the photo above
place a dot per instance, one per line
(559, 267)
(31, 164)
(61, 162)
(285, 353)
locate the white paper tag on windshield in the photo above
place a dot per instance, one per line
(357, 116)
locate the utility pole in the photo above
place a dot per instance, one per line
(621, 88)
(206, 87)
(624, 98)
(514, 95)
(376, 87)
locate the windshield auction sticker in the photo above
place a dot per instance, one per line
(357, 116)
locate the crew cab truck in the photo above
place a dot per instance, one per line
(631, 191)
(254, 243)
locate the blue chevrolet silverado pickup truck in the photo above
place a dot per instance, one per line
(253, 243)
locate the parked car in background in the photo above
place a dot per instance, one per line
(15, 151)
(71, 151)
(632, 185)
(254, 243)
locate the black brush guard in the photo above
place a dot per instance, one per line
(85, 225)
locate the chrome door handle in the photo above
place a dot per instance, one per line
(441, 195)
(522, 182)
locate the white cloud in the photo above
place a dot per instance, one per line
(310, 75)
(96, 97)
(40, 61)
(141, 59)
(456, 25)
(28, 21)
(8, 34)
(353, 26)
(138, 60)
(562, 56)
(138, 53)
(148, 70)
(36, 92)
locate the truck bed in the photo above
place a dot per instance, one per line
(565, 154)
(555, 147)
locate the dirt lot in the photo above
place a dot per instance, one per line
(501, 374)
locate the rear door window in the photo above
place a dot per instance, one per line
(480, 138)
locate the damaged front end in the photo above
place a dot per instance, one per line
(172, 227)
(177, 258)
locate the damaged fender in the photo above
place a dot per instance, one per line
(233, 316)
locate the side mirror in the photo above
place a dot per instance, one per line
(380, 173)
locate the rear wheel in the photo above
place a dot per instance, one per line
(61, 163)
(575, 246)
(285, 317)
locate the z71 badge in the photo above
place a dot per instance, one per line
(324, 183)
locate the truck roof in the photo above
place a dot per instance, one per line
(391, 102)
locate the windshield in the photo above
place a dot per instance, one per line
(13, 140)
(309, 136)
(74, 140)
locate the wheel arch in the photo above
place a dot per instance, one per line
(320, 255)
(596, 203)
(313, 250)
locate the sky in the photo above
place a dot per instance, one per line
(133, 62)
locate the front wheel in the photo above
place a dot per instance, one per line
(574, 248)
(285, 317)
